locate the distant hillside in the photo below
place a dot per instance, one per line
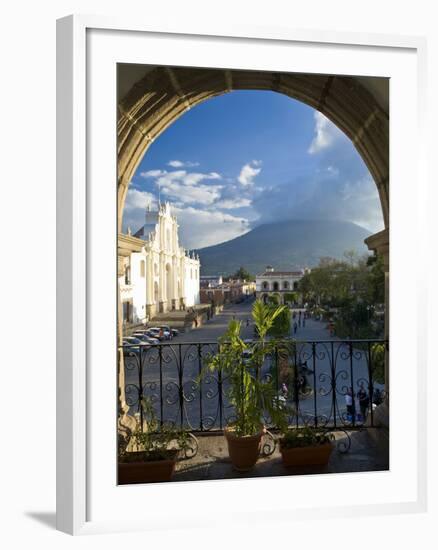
(295, 243)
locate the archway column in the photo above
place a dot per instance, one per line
(123, 407)
(379, 242)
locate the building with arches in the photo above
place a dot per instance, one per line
(156, 274)
(278, 285)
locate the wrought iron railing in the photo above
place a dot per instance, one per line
(330, 384)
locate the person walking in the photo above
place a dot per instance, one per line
(364, 402)
(349, 403)
(295, 327)
(304, 321)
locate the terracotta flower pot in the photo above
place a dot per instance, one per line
(317, 455)
(147, 471)
(244, 451)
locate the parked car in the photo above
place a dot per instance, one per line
(144, 337)
(131, 345)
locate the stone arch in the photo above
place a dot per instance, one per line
(285, 285)
(275, 298)
(154, 97)
(275, 286)
(265, 285)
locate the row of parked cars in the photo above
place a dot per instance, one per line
(149, 337)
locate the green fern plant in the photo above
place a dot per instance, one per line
(250, 396)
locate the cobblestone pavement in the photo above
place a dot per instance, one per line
(213, 329)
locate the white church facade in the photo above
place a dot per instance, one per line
(156, 274)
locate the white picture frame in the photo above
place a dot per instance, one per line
(79, 405)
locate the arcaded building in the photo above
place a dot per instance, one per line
(278, 284)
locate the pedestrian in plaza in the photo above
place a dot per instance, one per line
(295, 327)
(364, 402)
(349, 403)
(247, 322)
(304, 321)
(299, 321)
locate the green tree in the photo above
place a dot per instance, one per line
(243, 274)
(281, 324)
(353, 286)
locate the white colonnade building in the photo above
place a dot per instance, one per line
(156, 274)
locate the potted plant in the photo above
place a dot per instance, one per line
(150, 452)
(305, 447)
(251, 397)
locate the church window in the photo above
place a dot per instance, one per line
(127, 275)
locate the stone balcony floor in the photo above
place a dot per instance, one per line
(368, 452)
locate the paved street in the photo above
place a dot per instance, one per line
(216, 327)
(174, 372)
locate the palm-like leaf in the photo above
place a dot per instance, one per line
(250, 396)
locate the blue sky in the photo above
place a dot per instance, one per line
(248, 158)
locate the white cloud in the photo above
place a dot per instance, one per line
(201, 194)
(230, 204)
(186, 186)
(184, 177)
(325, 134)
(248, 172)
(136, 199)
(182, 164)
(200, 228)
(152, 173)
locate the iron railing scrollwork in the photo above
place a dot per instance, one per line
(328, 384)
